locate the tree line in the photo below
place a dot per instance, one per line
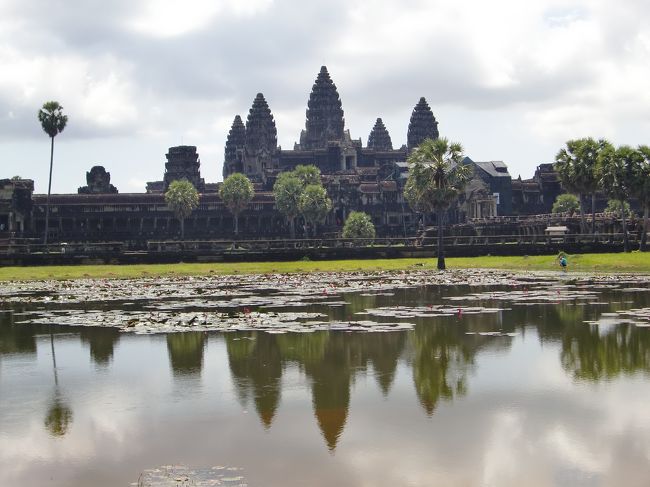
(587, 166)
(299, 192)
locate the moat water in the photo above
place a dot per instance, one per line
(528, 395)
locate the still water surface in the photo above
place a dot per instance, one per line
(558, 403)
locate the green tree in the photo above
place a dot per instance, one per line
(53, 122)
(309, 174)
(616, 171)
(642, 191)
(441, 362)
(182, 198)
(287, 191)
(186, 352)
(577, 166)
(59, 414)
(592, 354)
(59, 417)
(436, 179)
(314, 205)
(566, 203)
(614, 207)
(236, 192)
(358, 225)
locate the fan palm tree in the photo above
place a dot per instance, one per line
(436, 179)
(314, 205)
(617, 169)
(576, 164)
(236, 192)
(642, 190)
(287, 191)
(182, 198)
(53, 122)
(59, 414)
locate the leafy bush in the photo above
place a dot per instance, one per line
(566, 203)
(614, 206)
(358, 225)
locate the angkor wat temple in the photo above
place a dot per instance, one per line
(369, 179)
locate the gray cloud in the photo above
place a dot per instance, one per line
(538, 67)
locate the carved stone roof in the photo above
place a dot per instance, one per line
(422, 126)
(379, 139)
(367, 171)
(341, 178)
(369, 188)
(388, 186)
(261, 132)
(324, 114)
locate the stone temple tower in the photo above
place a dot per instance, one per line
(379, 138)
(324, 114)
(261, 139)
(422, 126)
(234, 152)
(183, 163)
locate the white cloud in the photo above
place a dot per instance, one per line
(157, 71)
(97, 94)
(109, 101)
(170, 18)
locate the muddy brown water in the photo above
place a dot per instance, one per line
(529, 395)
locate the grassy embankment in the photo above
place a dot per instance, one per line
(616, 263)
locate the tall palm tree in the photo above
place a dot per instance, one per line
(59, 414)
(642, 190)
(586, 171)
(576, 165)
(287, 191)
(236, 192)
(616, 171)
(182, 198)
(436, 178)
(314, 205)
(53, 122)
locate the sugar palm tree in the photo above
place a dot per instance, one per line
(436, 179)
(576, 164)
(236, 192)
(314, 205)
(616, 171)
(182, 198)
(53, 122)
(287, 191)
(642, 190)
(59, 414)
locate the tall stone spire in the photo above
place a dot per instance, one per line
(261, 133)
(422, 126)
(379, 139)
(324, 114)
(236, 141)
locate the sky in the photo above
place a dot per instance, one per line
(509, 80)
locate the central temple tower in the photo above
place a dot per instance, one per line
(325, 121)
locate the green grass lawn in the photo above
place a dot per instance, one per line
(632, 262)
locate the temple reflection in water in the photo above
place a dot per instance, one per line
(439, 357)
